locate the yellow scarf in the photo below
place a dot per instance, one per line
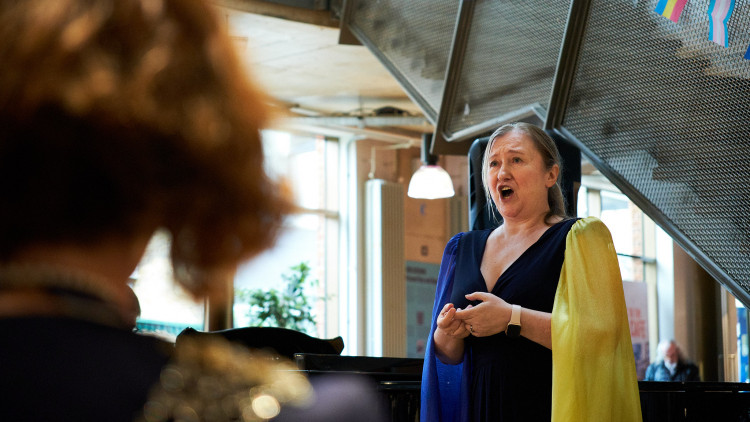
(593, 368)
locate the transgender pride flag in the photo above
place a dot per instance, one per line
(670, 9)
(719, 12)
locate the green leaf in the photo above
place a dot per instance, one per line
(288, 307)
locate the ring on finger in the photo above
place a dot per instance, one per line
(471, 328)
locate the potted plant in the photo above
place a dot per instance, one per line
(288, 308)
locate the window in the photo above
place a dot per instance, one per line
(166, 309)
(743, 348)
(625, 222)
(628, 227)
(634, 238)
(582, 202)
(309, 164)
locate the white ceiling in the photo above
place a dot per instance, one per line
(304, 67)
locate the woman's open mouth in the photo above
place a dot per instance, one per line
(506, 192)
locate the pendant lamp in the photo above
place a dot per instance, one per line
(430, 181)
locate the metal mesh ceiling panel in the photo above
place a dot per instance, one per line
(509, 62)
(664, 113)
(412, 39)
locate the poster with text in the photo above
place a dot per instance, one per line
(636, 299)
(421, 280)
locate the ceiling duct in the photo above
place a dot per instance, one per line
(411, 39)
(501, 68)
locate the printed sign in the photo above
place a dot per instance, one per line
(421, 281)
(636, 299)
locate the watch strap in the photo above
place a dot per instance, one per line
(514, 325)
(515, 315)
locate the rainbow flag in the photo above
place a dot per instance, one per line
(719, 12)
(670, 9)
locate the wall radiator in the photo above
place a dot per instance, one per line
(385, 301)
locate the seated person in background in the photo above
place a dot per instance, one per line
(671, 365)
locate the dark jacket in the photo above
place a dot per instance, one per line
(63, 369)
(685, 371)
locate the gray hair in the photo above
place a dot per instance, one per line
(548, 150)
(661, 349)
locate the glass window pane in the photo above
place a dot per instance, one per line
(298, 243)
(624, 221)
(631, 269)
(309, 165)
(276, 146)
(583, 202)
(301, 162)
(166, 308)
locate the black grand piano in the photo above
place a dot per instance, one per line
(398, 381)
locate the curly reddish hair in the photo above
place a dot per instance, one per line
(122, 116)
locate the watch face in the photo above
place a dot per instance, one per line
(513, 330)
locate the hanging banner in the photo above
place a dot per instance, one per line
(636, 300)
(421, 281)
(719, 12)
(670, 9)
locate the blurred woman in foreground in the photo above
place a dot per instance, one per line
(118, 118)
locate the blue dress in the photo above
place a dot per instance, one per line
(593, 370)
(510, 379)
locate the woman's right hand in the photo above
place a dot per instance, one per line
(450, 326)
(449, 336)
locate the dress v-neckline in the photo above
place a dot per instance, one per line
(512, 264)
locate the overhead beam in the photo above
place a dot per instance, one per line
(364, 121)
(281, 11)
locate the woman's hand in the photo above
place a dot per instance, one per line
(488, 318)
(450, 326)
(449, 336)
(493, 314)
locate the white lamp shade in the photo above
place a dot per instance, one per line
(430, 182)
